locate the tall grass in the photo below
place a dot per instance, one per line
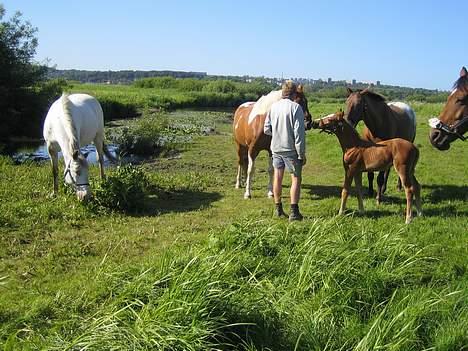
(329, 285)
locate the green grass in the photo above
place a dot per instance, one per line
(200, 268)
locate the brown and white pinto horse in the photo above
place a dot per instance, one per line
(250, 139)
(383, 121)
(361, 155)
(453, 120)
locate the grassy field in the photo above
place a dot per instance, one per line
(201, 268)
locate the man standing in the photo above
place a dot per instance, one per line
(285, 124)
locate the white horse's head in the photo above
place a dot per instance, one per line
(76, 175)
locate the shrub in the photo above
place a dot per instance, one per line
(123, 190)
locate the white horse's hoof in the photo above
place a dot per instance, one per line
(247, 196)
(270, 194)
(408, 220)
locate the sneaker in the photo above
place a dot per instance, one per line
(279, 212)
(295, 216)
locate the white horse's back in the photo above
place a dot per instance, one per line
(86, 117)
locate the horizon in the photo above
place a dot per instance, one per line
(416, 47)
(208, 75)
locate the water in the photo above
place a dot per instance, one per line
(38, 153)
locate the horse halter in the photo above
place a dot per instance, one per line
(451, 129)
(68, 171)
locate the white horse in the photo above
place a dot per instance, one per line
(73, 121)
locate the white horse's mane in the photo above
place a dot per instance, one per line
(263, 104)
(68, 123)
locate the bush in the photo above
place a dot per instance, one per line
(123, 190)
(146, 138)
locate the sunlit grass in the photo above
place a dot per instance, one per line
(200, 268)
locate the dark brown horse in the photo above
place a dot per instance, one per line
(453, 120)
(250, 139)
(360, 155)
(383, 121)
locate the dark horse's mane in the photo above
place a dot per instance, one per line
(461, 83)
(376, 96)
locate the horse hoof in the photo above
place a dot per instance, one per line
(270, 194)
(247, 196)
(408, 221)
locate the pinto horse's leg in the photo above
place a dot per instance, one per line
(358, 183)
(270, 174)
(241, 164)
(370, 178)
(250, 171)
(345, 192)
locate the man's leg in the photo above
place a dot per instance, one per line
(295, 192)
(277, 191)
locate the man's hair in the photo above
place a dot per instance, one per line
(288, 89)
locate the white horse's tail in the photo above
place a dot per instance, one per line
(108, 154)
(68, 122)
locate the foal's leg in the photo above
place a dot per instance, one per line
(406, 179)
(270, 174)
(370, 178)
(417, 195)
(358, 183)
(345, 192)
(250, 171)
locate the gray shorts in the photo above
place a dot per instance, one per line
(288, 161)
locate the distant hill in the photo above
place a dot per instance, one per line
(117, 77)
(318, 88)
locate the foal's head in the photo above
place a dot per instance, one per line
(76, 175)
(331, 123)
(301, 99)
(454, 116)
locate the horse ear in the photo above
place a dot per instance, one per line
(463, 72)
(349, 91)
(75, 155)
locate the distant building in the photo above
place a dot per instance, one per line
(354, 82)
(378, 83)
(329, 80)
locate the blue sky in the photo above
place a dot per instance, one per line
(410, 43)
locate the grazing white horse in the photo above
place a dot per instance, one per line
(73, 121)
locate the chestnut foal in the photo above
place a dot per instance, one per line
(360, 155)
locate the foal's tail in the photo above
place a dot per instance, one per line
(415, 160)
